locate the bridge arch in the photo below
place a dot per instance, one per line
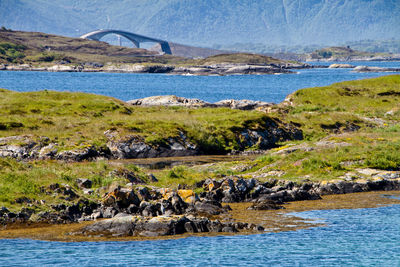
(133, 37)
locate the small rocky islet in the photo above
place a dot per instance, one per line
(134, 205)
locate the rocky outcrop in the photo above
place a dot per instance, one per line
(242, 104)
(136, 147)
(138, 68)
(374, 69)
(341, 66)
(172, 100)
(216, 69)
(128, 225)
(26, 147)
(234, 69)
(169, 100)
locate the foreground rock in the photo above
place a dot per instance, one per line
(127, 225)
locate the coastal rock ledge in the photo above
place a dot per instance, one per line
(176, 101)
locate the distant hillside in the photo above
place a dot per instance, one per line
(204, 23)
(342, 54)
(19, 47)
(37, 48)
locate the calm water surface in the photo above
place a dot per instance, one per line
(360, 237)
(127, 86)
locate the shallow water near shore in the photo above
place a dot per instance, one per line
(127, 86)
(351, 237)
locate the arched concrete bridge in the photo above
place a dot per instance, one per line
(133, 37)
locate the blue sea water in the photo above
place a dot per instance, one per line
(358, 237)
(361, 237)
(127, 86)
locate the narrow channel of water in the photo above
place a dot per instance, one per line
(127, 86)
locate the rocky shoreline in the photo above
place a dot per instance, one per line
(215, 69)
(221, 69)
(145, 211)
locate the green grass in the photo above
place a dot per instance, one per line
(340, 106)
(77, 120)
(244, 58)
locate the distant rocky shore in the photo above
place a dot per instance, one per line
(202, 70)
(214, 69)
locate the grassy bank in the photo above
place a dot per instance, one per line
(76, 120)
(347, 126)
